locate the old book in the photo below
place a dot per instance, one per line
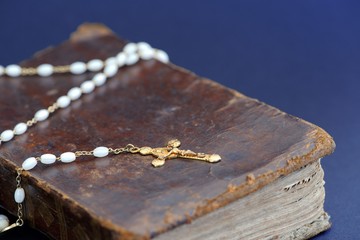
(269, 183)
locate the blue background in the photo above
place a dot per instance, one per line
(300, 56)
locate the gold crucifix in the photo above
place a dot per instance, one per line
(172, 151)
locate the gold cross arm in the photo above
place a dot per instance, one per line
(171, 151)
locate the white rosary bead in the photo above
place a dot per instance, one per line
(147, 54)
(29, 163)
(63, 101)
(77, 68)
(13, 70)
(87, 86)
(48, 158)
(41, 115)
(95, 65)
(121, 59)
(101, 152)
(130, 48)
(20, 128)
(4, 222)
(99, 79)
(19, 195)
(74, 93)
(161, 56)
(141, 46)
(132, 58)
(2, 71)
(7, 135)
(111, 61)
(111, 70)
(45, 70)
(67, 157)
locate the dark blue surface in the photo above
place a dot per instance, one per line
(300, 56)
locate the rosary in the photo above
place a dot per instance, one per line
(131, 54)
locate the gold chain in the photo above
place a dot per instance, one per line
(53, 108)
(62, 69)
(84, 153)
(130, 148)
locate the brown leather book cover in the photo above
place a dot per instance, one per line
(147, 104)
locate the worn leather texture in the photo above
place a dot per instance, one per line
(147, 104)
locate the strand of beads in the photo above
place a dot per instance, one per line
(94, 65)
(47, 159)
(68, 157)
(130, 55)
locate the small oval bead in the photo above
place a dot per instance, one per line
(147, 54)
(48, 158)
(67, 157)
(101, 152)
(13, 70)
(121, 59)
(161, 56)
(99, 79)
(19, 195)
(87, 86)
(41, 115)
(132, 59)
(143, 46)
(130, 48)
(29, 163)
(7, 135)
(95, 65)
(4, 222)
(111, 70)
(74, 93)
(2, 70)
(77, 68)
(45, 70)
(63, 101)
(111, 61)
(20, 128)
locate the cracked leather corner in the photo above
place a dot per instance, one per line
(323, 145)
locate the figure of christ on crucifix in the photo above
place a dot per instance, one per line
(172, 151)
